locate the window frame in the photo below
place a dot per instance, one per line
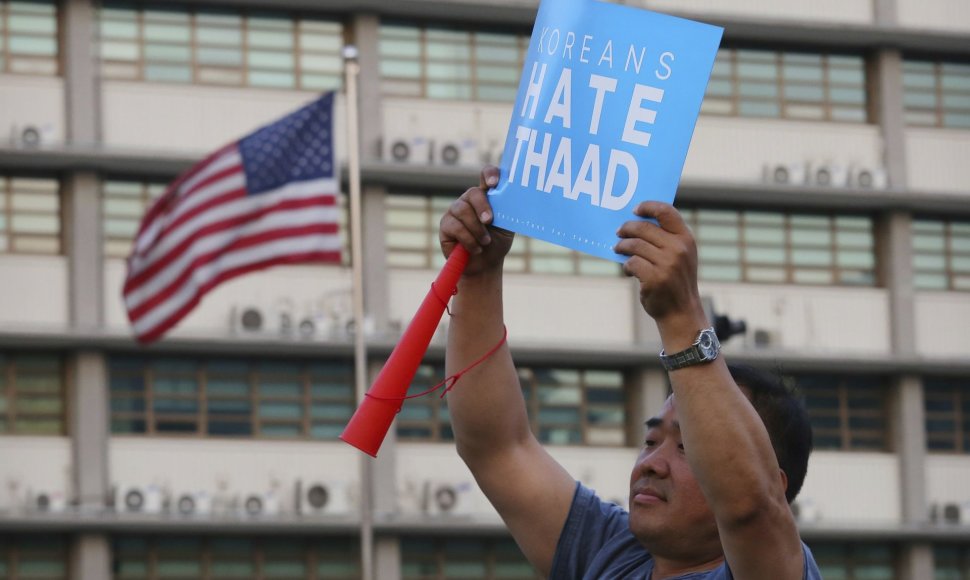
(778, 58)
(743, 218)
(249, 20)
(843, 390)
(12, 417)
(12, 185)
(258, 426)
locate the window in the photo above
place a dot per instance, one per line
(952, 562)
(783, 248)
(212, 558)
(854, 561)
(32, 394)
(847, 412)
(33, 556)
(411, 238)
(791, 85)
(433, 558)
(123, 203)
(28, 37)
(941, 254)
(565, 406)
(230, 397)
(444, 63)
(947, 407)
(30, 215)
(936, 94)
(220, 47)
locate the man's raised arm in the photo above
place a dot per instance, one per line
(725, 441)
(529, 489)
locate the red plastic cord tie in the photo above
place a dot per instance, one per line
(442, 300)
(449, 383)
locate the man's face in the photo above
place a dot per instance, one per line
(668, 512)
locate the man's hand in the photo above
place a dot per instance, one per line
(664, 259)
(467, 222)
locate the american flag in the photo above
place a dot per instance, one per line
(269, 198)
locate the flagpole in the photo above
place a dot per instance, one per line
(351, 70)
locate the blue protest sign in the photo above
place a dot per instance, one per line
(606, 108)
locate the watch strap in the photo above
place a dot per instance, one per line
(691, 355)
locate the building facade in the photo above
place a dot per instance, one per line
(827, 186)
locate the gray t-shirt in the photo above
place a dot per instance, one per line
(596, 544)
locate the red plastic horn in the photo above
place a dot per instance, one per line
(368, 427)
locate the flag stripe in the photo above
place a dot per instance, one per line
(203, 277)
(230, 187)
(267, 199)
(201, 260)
(242, 206)
(154, 333)
(180, 188)
(301, 213)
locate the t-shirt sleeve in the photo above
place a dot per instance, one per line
(811, 568)
(590, 524)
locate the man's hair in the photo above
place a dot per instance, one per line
(784, 415)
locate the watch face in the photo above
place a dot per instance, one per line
(708, 345)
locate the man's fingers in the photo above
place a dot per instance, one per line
(452, 230)
(638, 247)
(488, 178)
(643, 230)
(469, 229)
(477, 198)
(665, 214)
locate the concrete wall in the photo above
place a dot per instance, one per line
(737, 149)
(423, 468)
(938, 15)
(542, 308)
(836, 481)
(33, 465)
(941, 323)
(196, 119)
(232, 468)
(936, 159)
(808, 319)
(32, 100)
(38, 300)
(480, 127)
(834, 11)
(947, 478)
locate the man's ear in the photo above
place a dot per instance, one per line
(784, 479)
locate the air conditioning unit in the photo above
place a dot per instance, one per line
(460, 152)
(868, 177)
(806, 510)
(197, 503)
(316, 498)
(947, 513)
(447, 498)
(417, 150)
(784, 173)
(260, 504)
(248, 319)
(48, 501)
(830, 175)
(146, 499)
(764, 338)
(29, 135)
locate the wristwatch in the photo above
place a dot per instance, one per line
(704, 350)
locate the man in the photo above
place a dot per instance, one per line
(707, 495)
